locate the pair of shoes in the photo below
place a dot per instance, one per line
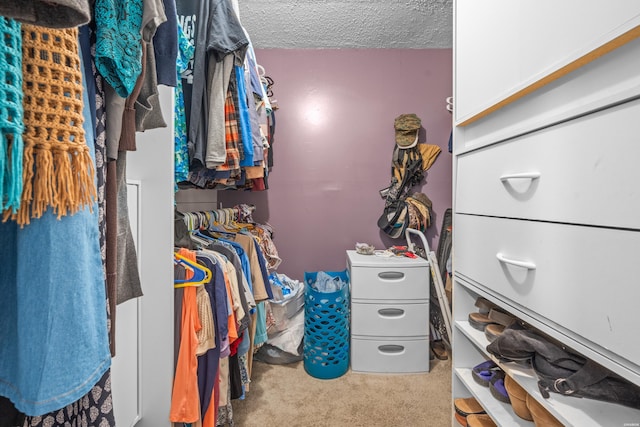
(480, 319)
(490, 316)
(489, 374)
(484, 372)
(466, 406)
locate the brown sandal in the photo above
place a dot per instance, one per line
(468, 405)
(480, 420)
(439, 350)
(480, 321)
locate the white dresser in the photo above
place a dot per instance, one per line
(389, 313)
(547, 189)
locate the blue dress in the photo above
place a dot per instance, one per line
(54, 343)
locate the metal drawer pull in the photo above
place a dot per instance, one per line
(523, 175)
(391, 312)
(391, 349)
(524, 264)
(391, 275)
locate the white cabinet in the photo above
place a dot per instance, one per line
(507, 48)
(546, 199)
(389, 313)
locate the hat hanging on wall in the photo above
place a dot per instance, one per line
(407, 128)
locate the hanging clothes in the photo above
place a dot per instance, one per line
(208, 364)
(41, 305)
(185, 54)
(166, 46)
(147, 109)
(222, 96)
(239, 271)
(119, 47)
(185, 406)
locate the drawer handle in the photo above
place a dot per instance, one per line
(391, 312)
(391, 349)
(391, 275)
(524, 264)
(523, 175)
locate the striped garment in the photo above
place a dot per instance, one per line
(232, 135)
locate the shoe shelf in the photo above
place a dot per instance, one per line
(498, 411)
(571, 411)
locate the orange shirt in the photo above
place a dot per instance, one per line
(185, 400)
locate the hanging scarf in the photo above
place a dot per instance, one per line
(57, 167)
(11, 126)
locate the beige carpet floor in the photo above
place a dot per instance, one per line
(286, 396)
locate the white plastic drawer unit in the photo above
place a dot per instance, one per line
(537, 176)
(553, 268)
(405, 320)
(389, 355)
(396, 278)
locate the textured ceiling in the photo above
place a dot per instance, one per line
(409, 24)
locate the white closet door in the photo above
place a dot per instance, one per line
(142, 372)
(125, 368)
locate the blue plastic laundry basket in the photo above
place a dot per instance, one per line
(326, 328)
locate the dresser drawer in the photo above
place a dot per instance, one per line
(584, 171)
(389, 355)
(562, 267)
(388, 278)
(398, 320)
(389, 283)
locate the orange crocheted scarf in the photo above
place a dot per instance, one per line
(58, 170)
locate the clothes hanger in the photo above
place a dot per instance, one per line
(201, 274)
(200, 240)
(190, 220)
(219, 231)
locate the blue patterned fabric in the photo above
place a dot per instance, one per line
(185, 53)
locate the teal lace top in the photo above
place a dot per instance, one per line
(118, 43)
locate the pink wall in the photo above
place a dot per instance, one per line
(333, 145)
